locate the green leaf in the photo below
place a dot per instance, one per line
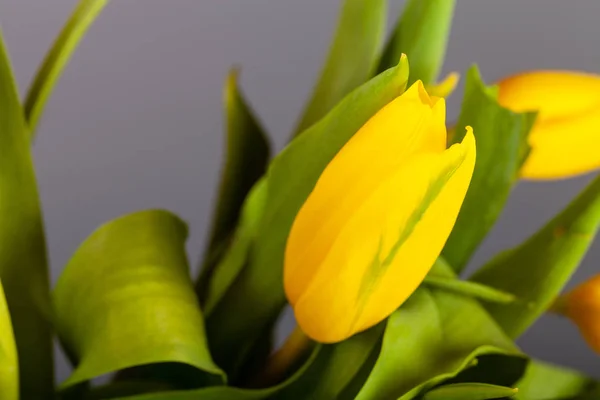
(23, 264)
(422, 34)
(210, 393)
(125, 299)
(334, 368)
(470, 391)
(256, 297)
(537, 270)
(543, 381)
(57, 58)
(9, 363)
(501, 137)
(237, 255)
(326, 374)
(432, 338)
(352, 57)
(246, 161)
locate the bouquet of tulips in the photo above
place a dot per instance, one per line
(363, 224)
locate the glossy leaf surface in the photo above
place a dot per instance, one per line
(126, 299)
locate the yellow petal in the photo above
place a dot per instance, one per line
(555, 94)
(445, 87)
(387, 245)
(564, 148)
(566, 136)
(583, 307)
(412, 123)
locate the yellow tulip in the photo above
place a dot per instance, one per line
(582, 306)
(565, 140)
(377, 218)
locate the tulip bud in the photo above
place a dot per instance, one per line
(377, 218)
(582, 306)
(565, 138)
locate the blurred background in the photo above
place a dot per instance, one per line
(136, 121)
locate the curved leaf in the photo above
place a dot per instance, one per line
(352, 57)
(422, 34)
(543, 381)
(126, 299)
(470, 391)
(432, 338)
(537, 270)
(246, 161)
(256, 297)
(9, 363)
(57, 58)
(501, 143)
(23, 264)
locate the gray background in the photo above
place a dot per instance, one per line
(136, 120)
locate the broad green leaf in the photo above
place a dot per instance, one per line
(537, 270)
(23, 264)
(352, 57)
(432, 338)
(125, 299)
(501, 141)
(9, 363)
(246, 161)
(543, 381)
(57, 58)
(422, 34)
(470, 391)
(256, 297)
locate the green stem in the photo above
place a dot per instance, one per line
(280, 362)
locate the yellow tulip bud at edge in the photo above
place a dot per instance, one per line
(377, 218)
(565, 139)
(582, 306)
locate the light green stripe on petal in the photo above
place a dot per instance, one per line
(378, 267)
